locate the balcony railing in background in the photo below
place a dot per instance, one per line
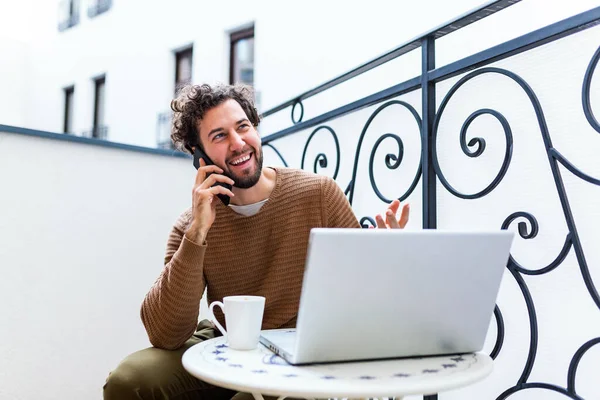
(97, 132)
(69, 22)
(68, 14)
(98, 7)
(429, 171)
(163, 130)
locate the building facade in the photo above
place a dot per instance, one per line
(108, 68)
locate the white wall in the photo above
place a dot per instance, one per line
(13, 81)
(83, 231)
(28, 88)
(296, 48)
(16, 48)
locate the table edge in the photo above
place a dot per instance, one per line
(264, 388)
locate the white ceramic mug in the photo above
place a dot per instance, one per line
(243, 316)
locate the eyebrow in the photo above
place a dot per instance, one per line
(217, 130)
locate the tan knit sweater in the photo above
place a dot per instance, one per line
(260, 255)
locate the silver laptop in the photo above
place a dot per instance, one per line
(383, 293)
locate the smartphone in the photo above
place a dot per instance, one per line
(198, 154)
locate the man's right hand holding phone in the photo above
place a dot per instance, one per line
(204, 200)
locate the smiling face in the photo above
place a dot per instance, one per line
(232, 143)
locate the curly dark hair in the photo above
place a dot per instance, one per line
(192, 103)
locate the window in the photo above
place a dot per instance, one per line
(241, 57)
(183, 67)
(68, 14)
(99, 129)
(163, 130)
(98, 7)
(68, 121)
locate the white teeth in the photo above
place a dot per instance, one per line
(240, 160)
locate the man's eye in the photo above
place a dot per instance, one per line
(218, 136)
(244, 126)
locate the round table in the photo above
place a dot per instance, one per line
(260, 371)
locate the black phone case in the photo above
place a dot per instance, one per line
(198, 154)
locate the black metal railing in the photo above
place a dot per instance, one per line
(98, 7)
(97, 132)
(429, 171)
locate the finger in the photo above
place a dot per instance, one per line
(404, 216)
(211, 169)
(380, 221)
(204, 170)
(201, 174)
(221, 190)
(390, 218)
(214, 178)
(394, 206)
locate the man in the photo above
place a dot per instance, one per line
(257, 246)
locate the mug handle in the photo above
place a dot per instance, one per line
(214, 319)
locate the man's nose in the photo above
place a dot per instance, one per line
(236, 143)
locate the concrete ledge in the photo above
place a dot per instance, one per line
(91, 141)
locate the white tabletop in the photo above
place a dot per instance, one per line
(261, 371)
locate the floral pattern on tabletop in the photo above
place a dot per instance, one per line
(266, 364)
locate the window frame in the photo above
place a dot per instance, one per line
(179, 54)
(99, 80)
(69, 93)
(68, 21)
(99, 7)
(234, 37)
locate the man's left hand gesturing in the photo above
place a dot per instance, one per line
(390, 221)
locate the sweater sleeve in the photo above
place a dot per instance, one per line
(171, 307)
(337, 212)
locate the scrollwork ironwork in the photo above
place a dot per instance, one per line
(278, 154)
(585, 91)
(364, 220)
(522, 227)
(528, 227)
(499, 332)
(321, 158)
(571, 240)
(297, 103)
(533, 326)
(553, 156)
(575, 363)
(480, 142)
(389, 157)
(561, 159)
(392, 161)
(537, 385)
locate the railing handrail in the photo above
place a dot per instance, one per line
(453, 25)
(501, 51)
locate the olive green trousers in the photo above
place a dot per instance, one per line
(158, 374)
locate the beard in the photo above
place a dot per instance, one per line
(246, 181)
